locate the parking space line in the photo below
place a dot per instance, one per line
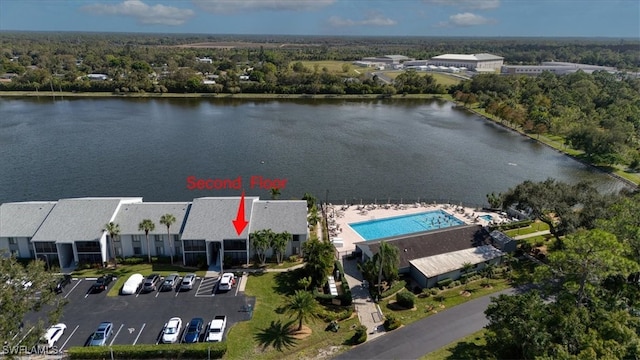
(73, 288)
(157, 293)
(237, 287)
(116, 335)
(139, 333)
(69, 338)
(25, 335)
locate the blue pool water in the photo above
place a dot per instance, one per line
(487, 217)
(405, 224)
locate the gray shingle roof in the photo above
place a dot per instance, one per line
(441, 264)
(279, 216)
(210, 218)
(130, 215)
(23, 219)
(434, 243)
(77, 219)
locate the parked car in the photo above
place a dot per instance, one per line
(227, 281)
(53, 334)
(192, 332)
(132, 284)
(62, 282)
(171, 330)
(102, 283)
(151, 282)
(102, 334)
(187, 281)
(215, 329)
(170, 282)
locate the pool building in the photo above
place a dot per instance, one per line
(431, 257)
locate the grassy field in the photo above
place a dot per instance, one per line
(535, 227)
(265, 336)
(468, 348)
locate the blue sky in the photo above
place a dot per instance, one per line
(551, 18)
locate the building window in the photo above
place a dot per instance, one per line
(160, 250)
(176, 238)
(46, 247)
(157, 238)
(235, 245)
(12, 241)
(88, 246)
(177, 250)
(137, 250)
(136, 238)
(194, 245)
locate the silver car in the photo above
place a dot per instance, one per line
(187, 281)
(101, 335)
(170, 282)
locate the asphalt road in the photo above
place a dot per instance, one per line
(427, 335)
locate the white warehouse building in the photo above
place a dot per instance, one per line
(475, 62)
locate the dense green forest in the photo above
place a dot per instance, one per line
(596, 113)
(586, 300)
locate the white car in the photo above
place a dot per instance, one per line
(53, 334)
(132, 284)
(227, 281)
(187, 282)
(215, 330)
(171, 331)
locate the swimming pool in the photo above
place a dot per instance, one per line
(487, 217)
(404, 224)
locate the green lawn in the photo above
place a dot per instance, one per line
(535, 227)
(427, 306)
(470, 347)
(265, 336)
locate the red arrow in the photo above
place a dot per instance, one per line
(240, 223)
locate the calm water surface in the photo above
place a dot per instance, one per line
(352, 149)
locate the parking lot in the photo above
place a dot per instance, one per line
(139, 318)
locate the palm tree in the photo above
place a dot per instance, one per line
(261, 241)
(279, 244)
(275, 193)
(302, 306)
(113, 230)
(147, 225)
(313, 218)
(311, 200)
(168, 220)
(319, 257)
(389, 260)
(466, 268)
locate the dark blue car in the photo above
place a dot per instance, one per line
(192, 333)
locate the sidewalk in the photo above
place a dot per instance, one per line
(525, 236)
(368, 312)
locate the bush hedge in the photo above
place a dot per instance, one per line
(360, 336)
(515, 225)
(406, 299)
(397, 286)
(391, 323)
(338, 266)
(147, 351)
(443, 283)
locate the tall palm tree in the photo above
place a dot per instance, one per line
(302, 306)
(147, 225)
(168, 220)
(113, 230)
(261, 241)
(389, 260)
(275, 193)
(279, 244)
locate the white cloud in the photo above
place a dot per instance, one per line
(235, 6)
(466, 19)
(467, 4)
(145, 14)
(372, 18)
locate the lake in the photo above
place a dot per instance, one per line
(343, 150)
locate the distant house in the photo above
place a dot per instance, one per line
(205, 60)
(97, 77)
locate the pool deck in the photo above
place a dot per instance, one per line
(340, 216)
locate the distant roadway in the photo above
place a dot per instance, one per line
(427, 335)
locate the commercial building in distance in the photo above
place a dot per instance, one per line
(475, 62)
(558, 68)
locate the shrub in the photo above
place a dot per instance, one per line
(391, 323)
(360, 335)
(134, 260)
(294, 258)
(444, 283)
(147, 351)
(346, 297)
(434, 291)
(405, 299)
